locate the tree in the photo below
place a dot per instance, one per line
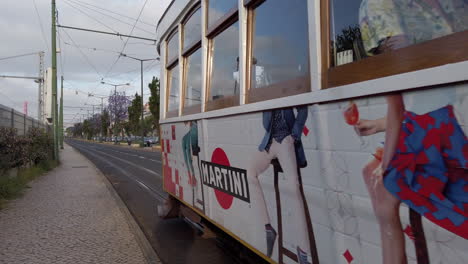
(87, 129)
(154, 103)
(118, 107)
(77, 130)
(134, 114)
(148, 124)
(105, 122)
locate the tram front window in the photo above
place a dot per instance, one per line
(224, 77)
(280, 49)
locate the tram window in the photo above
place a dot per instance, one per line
(173, 88)
(279, 50)
(172, 48)
(193, 83)
(224, 70)
(416, 31)
(218, 9)
(192, 29)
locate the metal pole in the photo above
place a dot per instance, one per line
(142, 106)
(39, 83)
(102, 112)
(12, 118)
(115, 117)
(61, 114)
(54, 82)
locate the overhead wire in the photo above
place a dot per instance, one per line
(126, 42)
(84, 13)
(91, 48)
(83, 54)
(115, 13)
(40, 25)
(116, 19)
(19, 56)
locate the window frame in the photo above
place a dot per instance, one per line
(275, 90)
(173, 113)
(415, 57)
(170, 65)
(186, 53)
(223, 23)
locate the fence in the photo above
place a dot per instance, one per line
(12, 118)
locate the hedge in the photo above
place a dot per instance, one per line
(22, 151)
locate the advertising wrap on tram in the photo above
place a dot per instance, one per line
(340, 182)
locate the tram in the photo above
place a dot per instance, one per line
(326, 131)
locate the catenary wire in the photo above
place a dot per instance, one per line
(40, 25)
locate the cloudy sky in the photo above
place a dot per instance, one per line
(85, 58)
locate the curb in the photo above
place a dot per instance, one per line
(148, 251)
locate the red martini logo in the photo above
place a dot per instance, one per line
(227, 182)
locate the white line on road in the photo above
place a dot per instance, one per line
(143, 185)
(132, 164)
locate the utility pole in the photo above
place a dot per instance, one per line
(61, 114)
(142, 104)
(54, 82)
(41, 87)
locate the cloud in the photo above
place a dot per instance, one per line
(21, 33)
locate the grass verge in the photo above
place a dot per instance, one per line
(11, 188)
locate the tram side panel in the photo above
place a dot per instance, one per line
(305, 184)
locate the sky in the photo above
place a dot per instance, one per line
(85, 58)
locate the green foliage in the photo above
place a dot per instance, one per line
(87, 129)
(134, 114)
(154, 102)
(17, 151)
(10, 188)
(35, 149)
(105, 122)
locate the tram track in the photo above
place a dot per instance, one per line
(136, 175)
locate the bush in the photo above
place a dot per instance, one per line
(10, 188)
(19, 151)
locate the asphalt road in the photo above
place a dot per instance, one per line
(137, 177)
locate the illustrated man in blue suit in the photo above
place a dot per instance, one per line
(282, 141)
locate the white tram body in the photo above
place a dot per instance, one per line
(324, 131)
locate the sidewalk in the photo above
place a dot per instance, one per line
(71, 216)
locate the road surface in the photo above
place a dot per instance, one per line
(137, 177)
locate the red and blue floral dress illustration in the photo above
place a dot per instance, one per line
(429, 169)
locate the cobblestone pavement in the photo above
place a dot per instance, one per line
(68, 216)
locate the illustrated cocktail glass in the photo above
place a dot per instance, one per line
(351, 116)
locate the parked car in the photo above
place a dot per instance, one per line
(149, 141)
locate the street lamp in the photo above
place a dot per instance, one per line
(142, 107)
(115, 91)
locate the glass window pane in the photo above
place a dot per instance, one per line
(173, 88)
(192, 29)
(194, 79)
(365, 28)
(172, 48)
(218, 8)
(280, 48)
(225, 63)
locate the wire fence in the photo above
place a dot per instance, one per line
(9, 117)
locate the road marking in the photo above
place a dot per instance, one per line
(133, 164)
(154, 193)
